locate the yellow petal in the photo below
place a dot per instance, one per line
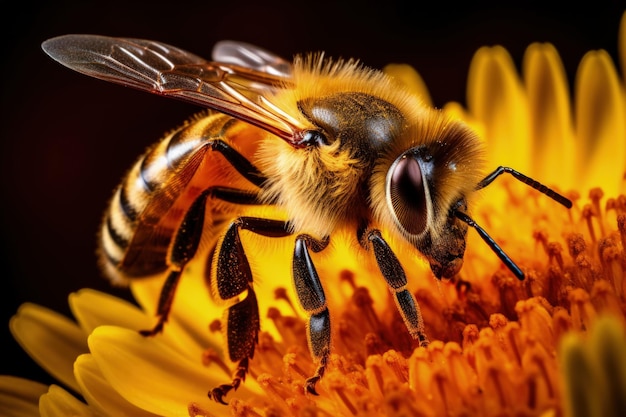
(409, 78)
(606, 348)
(51, 339)
(601, 125)
(155, 377)
(20, 397)
(98, 392)
(595, 370)
(60, 403)
(455, 110)
(551, 123)
(93, 308)
(191, 313)
(495, 97)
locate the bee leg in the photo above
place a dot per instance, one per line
(165, 303)
(239, 162)
(184, 247)
(313, 301)
(233, 280)
(186, 243)
(393, 273)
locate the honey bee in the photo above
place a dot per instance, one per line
(330, 143)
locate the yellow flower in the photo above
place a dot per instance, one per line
(550, 345)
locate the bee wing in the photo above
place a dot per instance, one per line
(164, 69)
(250, 56)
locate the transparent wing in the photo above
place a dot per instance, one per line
(163, 69)
(252, 57)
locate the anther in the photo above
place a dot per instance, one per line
(595, 195)
(280, 293)
(555, 254)
(576, 244)
(211, 357)
(588, 216)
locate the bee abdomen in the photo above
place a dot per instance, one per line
(144, 199)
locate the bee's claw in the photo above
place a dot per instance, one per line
(310, 385)
(218, 393)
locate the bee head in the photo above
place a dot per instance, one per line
(424, 186)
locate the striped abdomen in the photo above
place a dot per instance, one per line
(148, 206)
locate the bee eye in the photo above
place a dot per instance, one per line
(407, 194)
(313, 138)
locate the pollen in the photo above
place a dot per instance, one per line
(495, 339)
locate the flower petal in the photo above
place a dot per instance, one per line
(606, 348)
(51, 339)
(551, 125)
(60, 403)
(595, 370)
(601, 125)
(153, 376)
(496, 98)
(410, 79)
(191, 312)
(98, 392)
(93, 308)
(20, 397)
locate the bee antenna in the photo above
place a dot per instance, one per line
(491, 243)
(526, 180)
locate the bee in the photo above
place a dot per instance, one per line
(330, 143)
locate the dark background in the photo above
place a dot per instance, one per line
(66, 140)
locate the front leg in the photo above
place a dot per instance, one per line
(313, 301)
(393, 273)
(231, 279)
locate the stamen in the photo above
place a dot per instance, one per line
(583, 275)
(595, 195)
(581, 309)
(621, 203)
(211, 357)
(338, 386)
(576, 244)
(534, 314)
(280, 391)
(603, 294)
(215, 326)
(374, 374)
(541, 237)
(291, 364)
(280, 293)
(509, 290)
(610, 257)
(291, 329)
(588, 217)
(194, 410)
(242, 409)
(470, 336)
(398, 364)
(373, 345)
(555, 254)
(621, 227)
(363, 301)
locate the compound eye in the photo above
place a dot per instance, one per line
(407, 193)
(313, 138)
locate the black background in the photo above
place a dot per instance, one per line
(66, 140)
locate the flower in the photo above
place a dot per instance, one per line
(552, 344)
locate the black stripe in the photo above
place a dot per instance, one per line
(126, 205)
(119, 240)
(148, 185)
(110, 258)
